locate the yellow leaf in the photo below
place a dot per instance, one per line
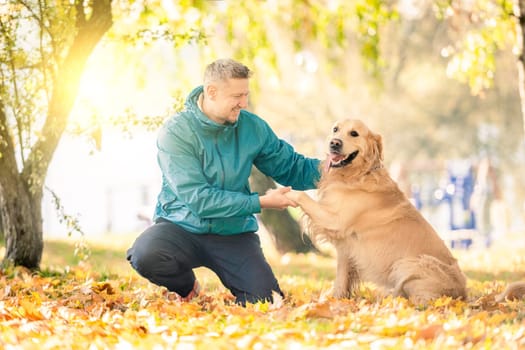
(29, 310)
(36, 298)
(393, 331)
(442, 302)
(103, 286)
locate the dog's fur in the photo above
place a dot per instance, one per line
(379, 236)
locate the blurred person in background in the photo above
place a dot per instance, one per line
(486, 191)
(205, 210)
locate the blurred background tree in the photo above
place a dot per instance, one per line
(315, 61)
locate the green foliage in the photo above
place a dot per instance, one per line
(372, 15)
(312, 25)
(483, 29)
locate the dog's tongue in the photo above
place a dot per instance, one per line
(332, 158)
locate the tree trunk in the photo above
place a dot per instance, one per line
(20, 208)
(284, 230)
(20, 211)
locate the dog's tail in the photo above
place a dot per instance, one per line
(513, 291)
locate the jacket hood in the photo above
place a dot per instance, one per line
(192, 105)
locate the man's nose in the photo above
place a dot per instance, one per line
(243, 103)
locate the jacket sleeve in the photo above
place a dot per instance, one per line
(279, 160)
(180, 163)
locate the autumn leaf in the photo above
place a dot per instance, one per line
(430, 332)
(319, 310)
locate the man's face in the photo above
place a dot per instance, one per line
(228, 98)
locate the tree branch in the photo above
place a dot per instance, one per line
(7, 150)
(66, 85)
(11, 66)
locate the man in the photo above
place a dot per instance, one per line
(205, 210)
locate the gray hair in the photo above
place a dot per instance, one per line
(224, 69)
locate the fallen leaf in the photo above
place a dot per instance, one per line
(429, 332)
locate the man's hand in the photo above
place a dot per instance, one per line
(276, 199)
(295, 196)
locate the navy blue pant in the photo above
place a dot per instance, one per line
(166, 255)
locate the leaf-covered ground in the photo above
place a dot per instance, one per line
(102, 304)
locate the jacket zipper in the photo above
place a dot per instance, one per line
(221, 174)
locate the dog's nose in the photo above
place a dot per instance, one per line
(336, 144)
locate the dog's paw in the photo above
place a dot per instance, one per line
(341, 293)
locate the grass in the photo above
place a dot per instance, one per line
(504, 261)
(106, 255)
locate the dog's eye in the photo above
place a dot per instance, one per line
(335, 129)
(354, 133)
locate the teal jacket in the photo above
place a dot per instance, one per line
(205, 169)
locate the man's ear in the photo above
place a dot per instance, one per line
(211, 91)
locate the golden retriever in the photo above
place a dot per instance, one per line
(378, 235)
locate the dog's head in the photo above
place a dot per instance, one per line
(352, 144)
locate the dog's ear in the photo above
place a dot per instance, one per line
(378, 146)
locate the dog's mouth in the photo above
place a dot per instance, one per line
(338, 160)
